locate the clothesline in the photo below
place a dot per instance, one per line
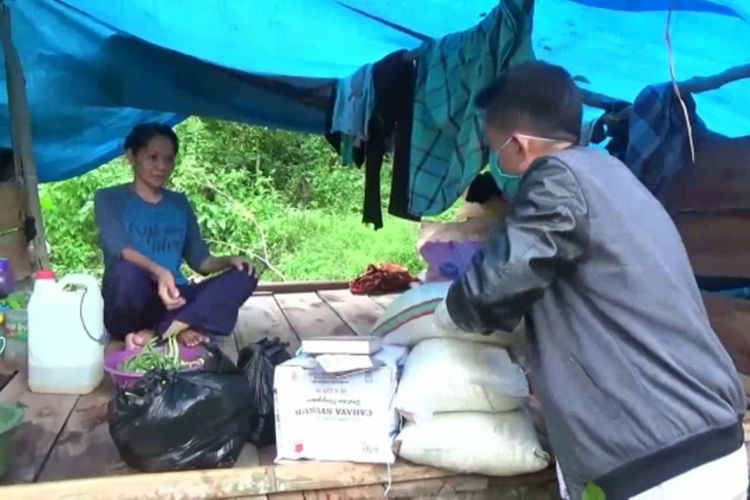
(440, 148)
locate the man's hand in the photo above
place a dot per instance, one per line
(168, 291)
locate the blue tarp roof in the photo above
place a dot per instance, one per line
(94, 66)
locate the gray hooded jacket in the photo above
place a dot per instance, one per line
(634, 383)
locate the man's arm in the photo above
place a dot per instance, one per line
(547, 232)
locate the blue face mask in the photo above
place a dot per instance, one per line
(507, 183)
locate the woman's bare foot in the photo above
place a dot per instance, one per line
(139, 339)
(191, 338)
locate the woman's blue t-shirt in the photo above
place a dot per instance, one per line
(166, 232)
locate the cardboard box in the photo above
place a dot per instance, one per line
(347, 418)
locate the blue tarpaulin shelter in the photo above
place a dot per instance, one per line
(94, 68)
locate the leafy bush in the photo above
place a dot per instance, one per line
(280, 197)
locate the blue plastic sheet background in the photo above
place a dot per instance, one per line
(94, 68)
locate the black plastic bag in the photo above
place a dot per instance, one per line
(187, 420)
(258, 362)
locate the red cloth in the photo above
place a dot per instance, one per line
(382, 279)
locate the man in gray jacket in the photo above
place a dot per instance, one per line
(639, 397)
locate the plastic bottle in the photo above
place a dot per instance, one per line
(66, 335)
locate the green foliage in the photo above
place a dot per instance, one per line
(68, 209)
(279, 197)
(15, 301)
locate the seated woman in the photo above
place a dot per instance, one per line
(145, 233)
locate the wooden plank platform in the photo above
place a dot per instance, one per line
(63, 449)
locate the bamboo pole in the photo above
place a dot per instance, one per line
(20, 120)
(242, 482)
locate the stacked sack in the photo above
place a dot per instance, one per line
(460, 394)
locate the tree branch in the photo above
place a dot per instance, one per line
(706, 83)
(694, 85)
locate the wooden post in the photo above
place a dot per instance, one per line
(20, 121)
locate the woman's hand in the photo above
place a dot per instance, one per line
(168, 291)
(241, 264)
(215, 265)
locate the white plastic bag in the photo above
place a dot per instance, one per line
(449, 375)
(409, 320)
(494, 444)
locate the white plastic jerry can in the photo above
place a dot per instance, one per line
(66, 334)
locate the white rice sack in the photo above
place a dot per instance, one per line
(409, 319)
(493, 444)
(449, 375)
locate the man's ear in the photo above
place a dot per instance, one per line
(522, 145)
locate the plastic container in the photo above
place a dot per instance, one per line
(113, 360)
(449, 260)
(17, 338)
(66, 334)
(11, 417)
(7, 282)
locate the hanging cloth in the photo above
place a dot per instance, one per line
(447, 138)
(658, 148)
(389, 128)
(354, 103)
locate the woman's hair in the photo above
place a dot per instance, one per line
(141, 135)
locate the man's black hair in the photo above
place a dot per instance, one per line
(536, 98)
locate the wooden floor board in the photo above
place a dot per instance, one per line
(5, 378)
(267, 456)
(438, 487)
(310, 316)
(32, 442)
(359, 312)
(228, 346)
(249, 456)
(355, 493)
(262, 317)
(384, 300)
(85, 448)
